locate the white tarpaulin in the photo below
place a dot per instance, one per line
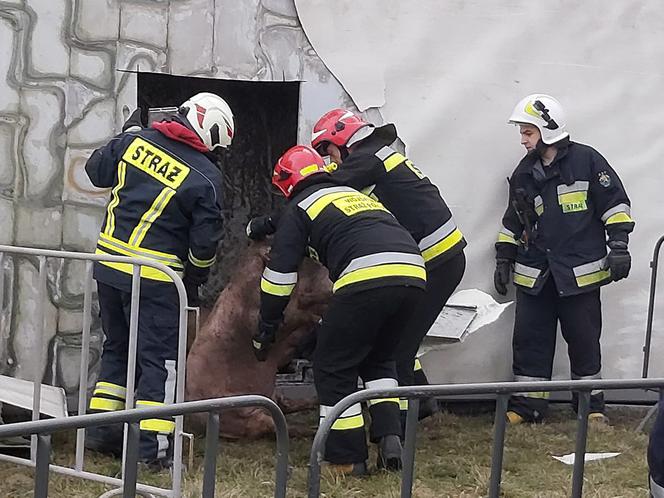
(448, 73)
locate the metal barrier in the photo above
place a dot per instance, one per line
(44, 428)
(503, 391)
(654, 263)
(137, 263)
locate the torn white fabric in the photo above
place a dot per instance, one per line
(589, 457)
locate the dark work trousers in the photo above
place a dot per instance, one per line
(442, 281)
(656, 452)
(534, 343)
(358, 338)
(156, 357)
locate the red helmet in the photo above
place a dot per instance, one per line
(336, 126)
(295, 165)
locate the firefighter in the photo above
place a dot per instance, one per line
(656, 452)
(165, 206)
(566, 205)
(378, 276)
(366, 161)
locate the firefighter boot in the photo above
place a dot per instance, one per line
(389, 453)
(345, 469)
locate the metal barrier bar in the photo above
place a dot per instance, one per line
(408, 461)
(654, 263)
(135, 415)
(211, 448)
(85, 363)
(500, 388)
(581, 440)
(499, 425)
(42, 255)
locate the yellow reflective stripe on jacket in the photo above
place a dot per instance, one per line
(539, 205)
(146, 271)
(319, 200)
(388, 270)
(115, 199)
(526, 276)
(278, 283)
(506, 235)
(125, 249)
(111, 389)
(403, 404)
(443, 246)
(391, 158)
(618, 214)
(573, 197)
(591, 273)
(150, 216)
(106, 405)
(201, 263)
(276, 289)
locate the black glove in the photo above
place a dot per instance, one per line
(134, 122)
(193, 298)
(501, 277)
(260, 227)
(619, 261)
(263, 340)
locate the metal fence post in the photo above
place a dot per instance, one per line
(40, 363)
(131, 460)
(211, 448)
(408, 456)
(498, 445)
(651, 305)
(581, 438)
(41, 467)
(85, 363)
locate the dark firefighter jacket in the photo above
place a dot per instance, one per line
(558, 219)
(355, 237)
(165, 204)
(377, 169)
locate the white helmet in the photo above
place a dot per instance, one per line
(211, 118)
(542, 111)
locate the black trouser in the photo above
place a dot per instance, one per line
(156, 357)
(357, 338)
(656, 452)
(534, 343)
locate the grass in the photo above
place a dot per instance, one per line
(453, 460)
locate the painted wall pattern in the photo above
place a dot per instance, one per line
(62, 90)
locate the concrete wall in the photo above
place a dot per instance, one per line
(62, 91)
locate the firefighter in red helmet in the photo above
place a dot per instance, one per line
(367, 161)
(378, 276)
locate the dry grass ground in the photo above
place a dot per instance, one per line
(453, 460)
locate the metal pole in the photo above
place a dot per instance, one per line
(581, 438)
(408, 455)
(131, 460)
(133, 340)
(651, 306)
(2, 286)
(211, 448)
(41, 467)
(498, 445)
(85, 362)
(281, 428)
(41, 361)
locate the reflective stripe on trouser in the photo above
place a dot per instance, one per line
(358, 338)
(156, 353)
(656, 452)
(108, 397)
(534, 340)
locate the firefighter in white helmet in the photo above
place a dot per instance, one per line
(566, 206)
(165, 206)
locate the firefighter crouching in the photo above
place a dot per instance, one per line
(378, 277)
(165, 206)
(565, 202)
(366, 161)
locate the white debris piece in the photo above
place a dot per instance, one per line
(589, 457)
